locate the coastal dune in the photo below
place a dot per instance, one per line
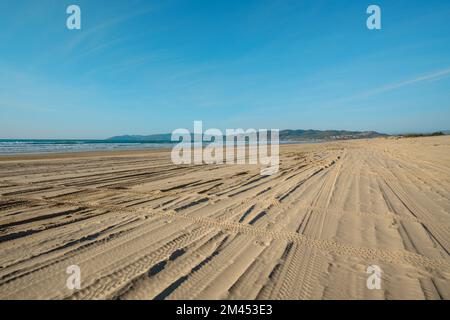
(140, 227)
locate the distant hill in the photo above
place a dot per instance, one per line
(285, 135)
(418, 135)
(301, 135)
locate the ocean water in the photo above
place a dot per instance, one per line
(31, 146)
(20, 146)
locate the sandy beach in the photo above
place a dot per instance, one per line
(140, 227)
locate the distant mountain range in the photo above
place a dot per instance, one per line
(299, 135)
(285, 135)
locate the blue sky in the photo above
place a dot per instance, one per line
(142, 67)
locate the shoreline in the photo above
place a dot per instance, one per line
(122, 152)
(71, 153)
(81, 154)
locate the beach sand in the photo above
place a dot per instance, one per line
(140, 227)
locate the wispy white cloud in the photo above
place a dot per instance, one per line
(392, 86)
(429, 77)
(104, 26)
